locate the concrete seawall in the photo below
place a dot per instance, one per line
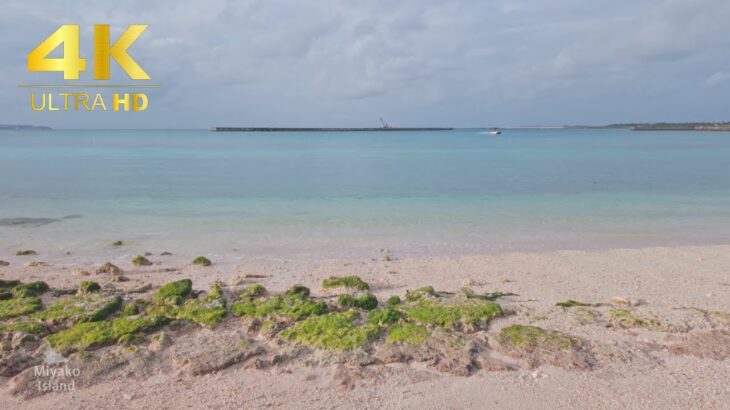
(274, 129)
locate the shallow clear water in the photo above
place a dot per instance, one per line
(353, 193)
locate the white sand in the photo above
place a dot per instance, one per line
(664, 279)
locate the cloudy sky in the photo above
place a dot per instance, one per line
(413, 62)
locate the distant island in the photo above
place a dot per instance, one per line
(665, 126)
(13, 127)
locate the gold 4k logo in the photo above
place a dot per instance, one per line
(71, 65)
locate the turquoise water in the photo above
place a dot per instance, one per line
(353, 193)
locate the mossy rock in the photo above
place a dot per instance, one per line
(19, 306)
(253, 291)
(83, 308)
(177, 290)
(140, 260)
(626, 319)
(30, 289)
(533, 338)
(421, 293)
(87, 286)
(394, 300)
(27, 252)
(367, 301)
(349, 282)
(202, 261)
(333, 331)
(537, 346)
(109, 268)
(90, 335)
(6, 284)
(473, 312)
(300, 290)
(407, 333)
(117, 243)
(384, 317)
(288, 306)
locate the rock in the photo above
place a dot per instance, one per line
(21, 338)
(82, 273)
(490, 364)
(108, 268)
(127, 396)
(35, 264)
(618, 300)
(714, 344)
(15, 362)
(117, 278)
(160, 341)
(210, 351)
(4, 263)
(445, 353)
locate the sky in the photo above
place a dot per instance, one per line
(467, 63)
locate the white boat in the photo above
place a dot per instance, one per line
(495, 131)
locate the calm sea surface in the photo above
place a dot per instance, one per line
(341, 194)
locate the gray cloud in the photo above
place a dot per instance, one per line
(415, 62)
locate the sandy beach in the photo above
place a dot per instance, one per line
(672, 353)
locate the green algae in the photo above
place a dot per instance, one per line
(253, 291)
(89, 335)
(394, 300)
(447, 315)
(384, 316)
(288, 306)
(492, 296)
(19, 306)
(420, 293)
(85, 308)
(87, 286)
(174, 291)
(202, 261)
(207, 311)
(349, 282)
(30, 327)
(334, 331)
(574, 303)
(367, 301)
(117, 243)
(26, 253)
(30, 289)
(407, 333)
(140, 260)
(532, 338)
(130, 309)
(6, 295)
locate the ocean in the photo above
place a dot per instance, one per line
(345, 195)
